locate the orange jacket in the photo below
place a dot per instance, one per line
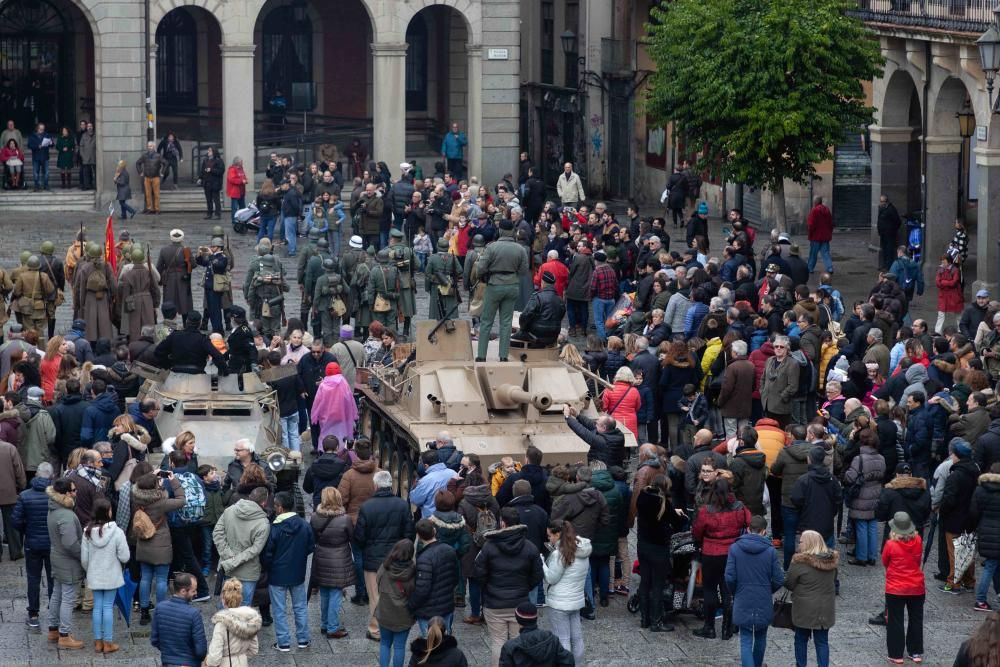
(770, 439)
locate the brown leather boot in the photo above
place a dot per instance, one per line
(110, 647)
(99, 645)
(67, 642)
(53, 634)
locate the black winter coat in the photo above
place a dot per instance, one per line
(543, 313)
(817, 496)
(749, 468)
(905, 494)
(535, 647)
(332, 565)
(986, 450)
(383, 520)
(985, 512)
(325, 471)
(537, 476)
(534, 518)
(67, 417)
(446, 655)
(608, 447)
(438, 573)
(959, 486)
(508, 567)
(31, 513)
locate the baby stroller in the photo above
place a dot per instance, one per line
(247, 219)
(678, 592)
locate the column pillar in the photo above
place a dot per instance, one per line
(988, 223)
(941, 180)
(237, 104)
(389, 122)
(895, 160)
(474, 131)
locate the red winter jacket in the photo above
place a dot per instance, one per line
(949, 284)
(759, 359)
(820, 223)
(236, 182)
(559, 270)
(628, 407)
(903, 574)
(717, 530)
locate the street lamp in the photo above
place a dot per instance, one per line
(568, 39)
(989, 54)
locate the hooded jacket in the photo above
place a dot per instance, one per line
(479, 498)
(905, 494)
(438, 572)
(37, 435)
(985, 511)
(564, 584)
(332, 564)
(986, 450)
(535, 647)
(234, 637)
(583, 506)
(507, 567)
(12, 477)
(99, 418)
(791, 464)
(102, 554)
(446, 654)
(903, 571)
(382, 521)
(240, 536)
(395, 585)
(716, 529)
(288, 548)
(30, 516)
(749, 468)
(325, 471)
(916, 376)
(452, 531)
(869, 465)
(65, 535)
(537, 476)
(158, 549)
(605, 539)
(959, 487)
(356, 486)
(753, 574)
(812, 580)
(817, 496)
(673, 377)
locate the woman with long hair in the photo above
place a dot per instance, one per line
(716, 527)
(103, 553)
(156, 553)
(811, 578)
(395, 579)
(186, 444)
(333, 566)
(565, 572)
(128, 441)
(439, 648)
(123, 190)
(656, 520)
(982, 649)
(49, 367)
(904, 590)
(234, 635)
(268, 204)
(65, 156)
(677, 369)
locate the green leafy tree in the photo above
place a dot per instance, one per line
(766, 86)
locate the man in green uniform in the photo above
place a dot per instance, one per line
(300, 273)
(268, 290)
(33, 290)
(328, 302)
(402, 258)
(441, 278)
(354, 255)
(53, 267)
(314, 269)
(501, 265)
(362, 308)
(383, 290)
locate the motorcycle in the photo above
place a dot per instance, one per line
(247, 220)
(915, 235)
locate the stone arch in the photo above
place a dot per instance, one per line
(391, 18)
(945, 102)
(233, 23)
(900, 104)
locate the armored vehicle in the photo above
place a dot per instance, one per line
(490, 408)
(218, 410)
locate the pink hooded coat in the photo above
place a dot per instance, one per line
(334, 408)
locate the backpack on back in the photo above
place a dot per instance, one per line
(194, 500)
(142, 526)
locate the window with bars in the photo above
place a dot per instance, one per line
(286, 50)
(177, 62)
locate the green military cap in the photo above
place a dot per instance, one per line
(138, 255)
(396, 233)
(217, 230)
(93, 250)
(48, 247)
(314, 234)
(442, 244)
(323, 243)
(371, 250)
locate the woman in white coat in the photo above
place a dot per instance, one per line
(565, 577)
(234, 637)
(103, 553)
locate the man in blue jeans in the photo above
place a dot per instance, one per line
(753, 573)
(603, 291)
(288, 548)
(30, 519)
(291, 209)
(437, 575)
(792, 463)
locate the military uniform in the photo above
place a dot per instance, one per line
(54, 268)
(384, 282)
(32, 292)
(443, 272)
(263, 248)
(138, 296)
(15, 272)
(503, 262)
(354, 256)
(217, 281)
(300, 274)
(6, 287)
(314, 269)
(174, 265)
(402, 257)
(242, 350)
(269, 298)
(225, 297)
(328, 302)
(93, 293)
(362, 307)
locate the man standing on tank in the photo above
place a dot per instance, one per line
(501, 265)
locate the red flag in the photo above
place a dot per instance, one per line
(110, 256)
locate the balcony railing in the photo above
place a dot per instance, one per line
(967, 16)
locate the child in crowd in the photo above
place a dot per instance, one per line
(214, 507)
(422, 247)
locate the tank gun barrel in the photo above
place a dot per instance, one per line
(513, 394)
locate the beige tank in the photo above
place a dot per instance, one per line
(492, 408)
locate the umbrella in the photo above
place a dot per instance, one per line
(123, 597)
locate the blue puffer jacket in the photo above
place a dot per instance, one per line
(288, 547)
(178, 633)
(753, 574)
(31, 515)
(99, 417)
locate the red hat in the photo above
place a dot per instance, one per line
(332, 368)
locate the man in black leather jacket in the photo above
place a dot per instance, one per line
(542, 316)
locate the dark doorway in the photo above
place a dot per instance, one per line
(177, 62)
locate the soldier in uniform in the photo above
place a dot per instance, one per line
(187, 350)
(33, 290)
(6, 287)
(502, 264)
(470, 277)
(242, 350)
(441, 278)
(362, 312)
(383, 290)
(169, 323)
(54, 268)
(263, 248)
(328, 302)
(268, 290)
(175, 266)
(93, 292)
(348, 261)
(300, 273)
(227, 296)
(314, 269)
(138, 295)
(75, 254)
(18, 270)
(403, 259)
(217, 281)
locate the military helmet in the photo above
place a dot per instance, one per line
(478, 241)
(93, 250)
(263, 248)
(382, 256)
(267, 260)
(334, 279)
(48, 247)
(138, 255)
(34, 263)
(314, 234)
(370, 251)
(329, 265)
(323, 243)
(443, 244)
(216, 241)
(25, 254)
(217, 230)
